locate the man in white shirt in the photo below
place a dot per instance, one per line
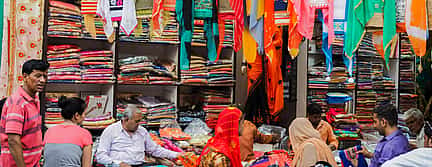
(415, 122)
(417, 157)
(125, 143)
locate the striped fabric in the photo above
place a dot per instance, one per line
(237, 6)
(88, 6)
(21, 116)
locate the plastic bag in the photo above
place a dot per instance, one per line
(197, 128)
(272, 130)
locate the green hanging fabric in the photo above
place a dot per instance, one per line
(389, 30)
(359, 13)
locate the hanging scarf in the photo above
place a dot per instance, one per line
(389, 30)
(294, 36)
(237, 6)
(226, 139)
(128, 17)
(416, 22)
(359, 13)
(327, 50)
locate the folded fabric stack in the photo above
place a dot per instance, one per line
(228, 22)
(169, 25)
(366, 57)
(383, 83)
(407, 101)
(198, 35)
(339, 101)
(197, 73)
(100, 33)
(64, 20)
(188, 113)
(281, 18)
(215, 101)
(157, 110)
(317, 75)
(141, 33)
(407, 75)
(220, 73)
(141, 69)
(319, 97)
(337, 47)
(64, 64)
(98, 123)
(53, 111)
(97, 66)
(386, 96)
(366, 103)
(101, 116)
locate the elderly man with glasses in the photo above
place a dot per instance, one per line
(415, 122)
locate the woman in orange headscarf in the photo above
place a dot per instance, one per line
(307, 145)
(223, 150)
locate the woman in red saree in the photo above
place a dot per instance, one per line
(223, 150)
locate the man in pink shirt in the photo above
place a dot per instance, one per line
(21, 122)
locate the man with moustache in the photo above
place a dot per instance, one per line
(21, 122)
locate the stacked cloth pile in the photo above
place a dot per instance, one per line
(367, 56)
(158, 110)
(317, 75)
(64, 20)
(220, 73)
(407, 101)
(188, 113)
(143, 70)
(100, 33)
(142, 31)
(197, 73)
(406, 64)
(64, 64)
(154, 109)
(215, 101)
(383, 83)
(229, 27)
(366, 102)
(101, 116)
(53, 111)
(97, 66)
(319, 97)
(198, 36)
(169, 25)
(339, 101)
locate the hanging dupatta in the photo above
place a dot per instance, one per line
(416, 21)
(226, 139)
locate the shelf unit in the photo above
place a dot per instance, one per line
(402, 68)
(126, 48)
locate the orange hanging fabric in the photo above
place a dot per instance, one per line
(273, 60)
(416, 25)
(294, 36)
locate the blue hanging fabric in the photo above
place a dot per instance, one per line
(256, 27)
(327, 50)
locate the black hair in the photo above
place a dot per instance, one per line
(71, 106)
(314, 108)
(2, 102)
(387, 112)
(34, 64)
(428, 128)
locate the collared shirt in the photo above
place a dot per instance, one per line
(420, 138)
(326, 133)
(389, 147)
(250, 135)
(417, 157)
(21, 116)
(116, 146)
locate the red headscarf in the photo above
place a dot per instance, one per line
(226, 139)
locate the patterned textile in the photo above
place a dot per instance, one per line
(214, 159)
(23, 40)
(351, 159)
(225, 143)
